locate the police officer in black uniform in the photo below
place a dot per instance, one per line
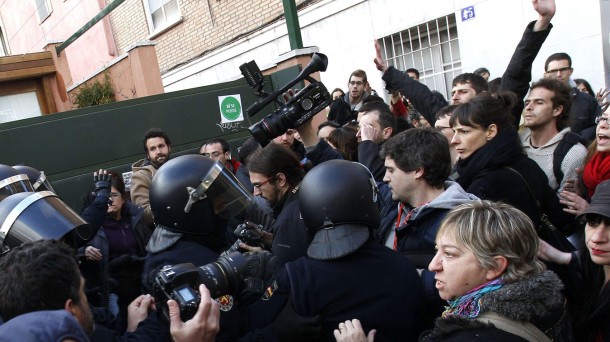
(345, 274)
(190, 197)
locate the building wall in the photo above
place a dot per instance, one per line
(345, 30)
(26, 34)
(204, 26)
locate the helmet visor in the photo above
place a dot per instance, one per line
(37, 216)
(15, 184)
(43, 184)
(227, 195)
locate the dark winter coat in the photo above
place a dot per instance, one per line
(537, 300)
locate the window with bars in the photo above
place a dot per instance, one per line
(432, 48)
(161, 13)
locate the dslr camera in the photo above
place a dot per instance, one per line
(300, 108)
(181, 282)
(252, 235)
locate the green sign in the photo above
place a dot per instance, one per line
(230, 108)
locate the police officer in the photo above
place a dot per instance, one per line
(190, 197)
(345, 274)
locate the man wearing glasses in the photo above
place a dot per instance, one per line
(584, 106)
(219, 149)
(356, 93)
(276, 173)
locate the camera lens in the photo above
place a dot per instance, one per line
(224, 275)
(269, 127)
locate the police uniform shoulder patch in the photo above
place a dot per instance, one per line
(225, 303)
(269, 291)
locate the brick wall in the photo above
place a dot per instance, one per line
(206, 24)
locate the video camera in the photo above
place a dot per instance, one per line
(300, 108)
(180, 282)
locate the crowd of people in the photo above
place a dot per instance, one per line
(485, 216)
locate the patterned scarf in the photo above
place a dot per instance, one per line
(469, 305)
(596, 171)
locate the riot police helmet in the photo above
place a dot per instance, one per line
(187, 192)
(39, 179)
(338, 200)
(13, 182)
(33, 216)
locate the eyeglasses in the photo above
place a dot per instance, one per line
(358, 83)
(258, 185)
(561, 70)
(114, 194)
(600, 119)
(213, 154)
(595, 220)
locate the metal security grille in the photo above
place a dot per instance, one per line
(432, 48)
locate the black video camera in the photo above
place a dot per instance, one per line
(300, 108)
(181, 282)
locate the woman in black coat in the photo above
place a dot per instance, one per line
(492, 164)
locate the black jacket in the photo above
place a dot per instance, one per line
(290, 236)
(518, 74)
(583, 113)
(355, 286)
(368, 155)
(419, 94)
(484, 174)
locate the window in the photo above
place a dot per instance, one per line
(43, 7)
(3, 46)
(432, 48)
(161, 13)
(19, 106)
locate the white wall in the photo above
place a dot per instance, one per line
(345, 30)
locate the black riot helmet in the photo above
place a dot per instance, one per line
(37, 178)
(33, 216)
(13, 182)
(188, 191)
(339, 205)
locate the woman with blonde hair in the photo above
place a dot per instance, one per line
(486, 267)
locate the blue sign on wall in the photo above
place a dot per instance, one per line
(467, 13)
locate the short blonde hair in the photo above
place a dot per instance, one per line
(490, 229)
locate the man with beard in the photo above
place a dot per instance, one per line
(275, 173)
(157, 148)
(547, 137)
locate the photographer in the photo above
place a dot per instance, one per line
(276, 174)
(121, 232)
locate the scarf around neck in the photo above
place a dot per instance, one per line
(469, 305)
(502, 150)
(596, 171)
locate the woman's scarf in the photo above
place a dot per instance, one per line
(469, 305)
(596, 171)
(502, 150)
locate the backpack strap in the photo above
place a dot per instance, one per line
(523, 329)
(567, 142)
